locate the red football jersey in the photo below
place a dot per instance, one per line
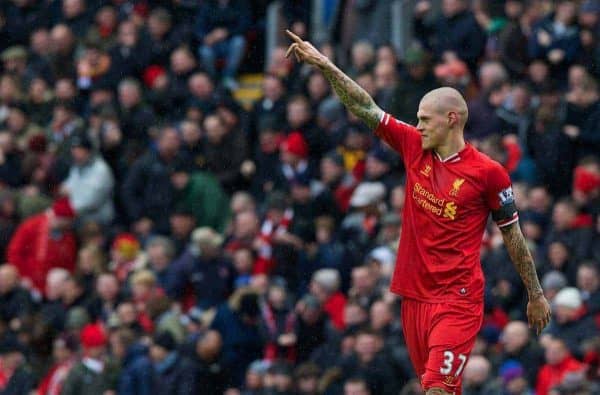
(446, 210)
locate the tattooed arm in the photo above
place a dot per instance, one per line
(355, 98)
(538, 310)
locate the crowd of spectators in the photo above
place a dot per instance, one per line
(160, 238)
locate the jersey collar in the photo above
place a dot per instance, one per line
(455, 157)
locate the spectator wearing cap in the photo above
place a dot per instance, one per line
(203, 267)
(147, 192)
(570, 321)
(559, 363)
(325, 286)
(64, 354)
(90, 183)
(517, 345)
(54, 243)
(15, 376)
(238, 324)
(94, 373)
(225, 151)
(15, 302)
(94, 67)
(281, 378)
(201, 194)
(455, 31)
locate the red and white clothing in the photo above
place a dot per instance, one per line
(438, 271)
(448, 203)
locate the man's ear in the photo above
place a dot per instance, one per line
(452, 118)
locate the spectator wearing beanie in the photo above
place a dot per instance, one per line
(43, 242)
(570, 322)
(294, 161)
(171, 372)
(126, 256)
(94, 374)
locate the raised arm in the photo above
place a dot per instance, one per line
(538, 309)
(355, 98)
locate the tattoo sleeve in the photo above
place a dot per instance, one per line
(521, 258)
(355, 98)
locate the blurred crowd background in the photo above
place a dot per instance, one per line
(164, 232)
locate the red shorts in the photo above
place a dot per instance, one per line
(439, 338)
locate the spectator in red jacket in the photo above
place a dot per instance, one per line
(559, 363)
(43, 242)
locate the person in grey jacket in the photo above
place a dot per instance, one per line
(90, 183)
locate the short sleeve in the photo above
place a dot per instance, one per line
(402, 137)
(500, 197)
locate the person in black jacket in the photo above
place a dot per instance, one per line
(456, 31)
(148, 194)
(221, 27)
(171, 373)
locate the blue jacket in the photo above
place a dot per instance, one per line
(136, 372)
(242, 343)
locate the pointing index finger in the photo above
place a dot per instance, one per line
(293, 36)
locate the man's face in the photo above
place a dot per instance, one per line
(433, 125)
(80, 155)
(452, 7)
(297, 114)
(355, 388)
(168, 144)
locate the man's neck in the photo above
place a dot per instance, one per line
(450, 148)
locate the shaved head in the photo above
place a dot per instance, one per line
(442, 117)
(445, 100)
